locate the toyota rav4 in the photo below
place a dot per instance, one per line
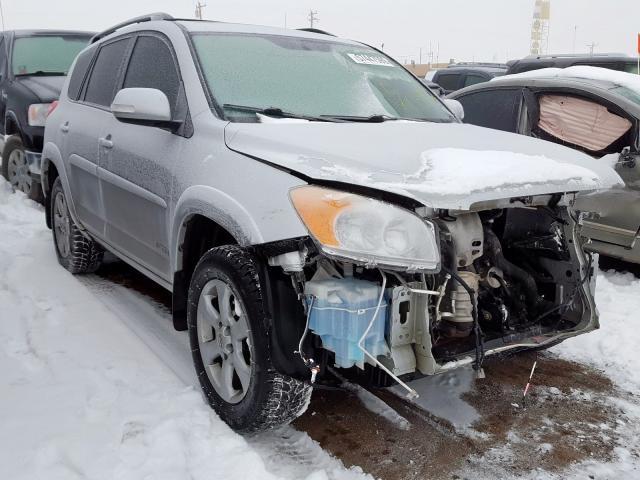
(329, 213)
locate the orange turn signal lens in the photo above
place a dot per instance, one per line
(318, 208)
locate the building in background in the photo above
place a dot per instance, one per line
(540, 27)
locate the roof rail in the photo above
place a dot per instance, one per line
(576, 55)
(478, 64)
(315, 30)
(144, 18)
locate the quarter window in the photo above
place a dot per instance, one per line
(79, 72)
(105, 73)
(152, 66)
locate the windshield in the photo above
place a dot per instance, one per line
(310, 77)
(46, 54)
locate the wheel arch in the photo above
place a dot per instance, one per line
(12, 125)
(53, 167)
(200, 228)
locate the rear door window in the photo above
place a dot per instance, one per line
(497, 109)
(448, 81)
(152, 66)
(105, 74)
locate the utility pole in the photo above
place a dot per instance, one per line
(575, 33)
(313, 18)
(2, 14)
(592, 46)
(199, 7)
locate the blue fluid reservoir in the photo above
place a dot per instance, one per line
(341, 312)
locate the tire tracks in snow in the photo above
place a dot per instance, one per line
(286, 452)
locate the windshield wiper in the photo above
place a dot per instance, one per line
(278, 113)
(41, 73)
(376, 118)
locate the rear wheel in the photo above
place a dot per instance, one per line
(76, 252)
(16, 169)
(229, 336)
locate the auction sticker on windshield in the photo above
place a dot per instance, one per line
(366, 59)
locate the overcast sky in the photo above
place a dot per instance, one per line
(480, 30)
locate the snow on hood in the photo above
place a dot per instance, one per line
(493, 170)
(440, 165)
(624, 79)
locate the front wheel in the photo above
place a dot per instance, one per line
(229, 336)
(16, 169)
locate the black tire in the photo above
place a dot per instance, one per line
(76, 252)
(271, 398)
(33, 189)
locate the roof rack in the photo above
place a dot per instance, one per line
(144, 18)
(576, 55)
(316, 30)
(478, 64)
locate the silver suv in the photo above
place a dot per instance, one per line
(311, 205)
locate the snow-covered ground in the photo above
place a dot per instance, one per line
(96, 383)
(84, 396)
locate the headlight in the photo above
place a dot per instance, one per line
(365, 230)
(38, 113)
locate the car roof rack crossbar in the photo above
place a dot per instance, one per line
(316, 30)
(144, 18)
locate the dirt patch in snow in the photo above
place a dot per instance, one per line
(566, 420)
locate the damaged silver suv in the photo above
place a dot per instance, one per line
(330, 212)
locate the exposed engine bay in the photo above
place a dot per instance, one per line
(510, 278)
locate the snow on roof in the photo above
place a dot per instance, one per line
(624, 79)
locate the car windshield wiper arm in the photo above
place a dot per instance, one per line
(279, 113)
(376, 118)
(41, 73)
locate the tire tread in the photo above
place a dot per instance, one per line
(285, 398)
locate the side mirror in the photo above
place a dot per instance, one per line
(455, 106)
(143, 106)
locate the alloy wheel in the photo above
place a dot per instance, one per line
(18, 171)
(61, 225)
(224, 340)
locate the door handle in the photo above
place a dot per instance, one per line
(106, 142)
(64, 127)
